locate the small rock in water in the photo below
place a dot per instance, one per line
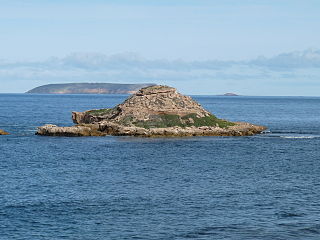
(3, 132)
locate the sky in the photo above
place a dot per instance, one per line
(251, 47)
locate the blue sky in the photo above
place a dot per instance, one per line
(132, 40)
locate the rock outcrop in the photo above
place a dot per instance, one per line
(74, 131)
(152, 112)
(3, 132)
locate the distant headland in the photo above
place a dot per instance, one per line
(89, 88)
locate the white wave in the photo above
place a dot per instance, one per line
(298, 137)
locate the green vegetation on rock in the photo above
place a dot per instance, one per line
(206, 121)
(100, 112)
(160, 121)
(171, 120)
(127, 120)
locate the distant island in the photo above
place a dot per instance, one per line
(230, 94)
(89, 88)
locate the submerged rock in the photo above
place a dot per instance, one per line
(3, 132)
(151, 112)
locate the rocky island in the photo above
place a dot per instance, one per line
(153, 111)
(89, 88)
(3, 132)
(229, 94)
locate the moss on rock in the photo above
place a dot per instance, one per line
(100, 112)
(210, 120)
(189, 120)
(160, 121)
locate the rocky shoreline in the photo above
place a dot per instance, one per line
(157, 111)
(105, 128)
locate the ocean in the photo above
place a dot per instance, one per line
(260, 187)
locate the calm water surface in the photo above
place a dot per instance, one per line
(261, 187)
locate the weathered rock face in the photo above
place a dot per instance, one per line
(3, 132)
(152, 107)
(152, 111)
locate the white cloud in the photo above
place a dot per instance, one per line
(286, 70)
(292, 60)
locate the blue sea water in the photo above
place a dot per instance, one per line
(261, 187)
